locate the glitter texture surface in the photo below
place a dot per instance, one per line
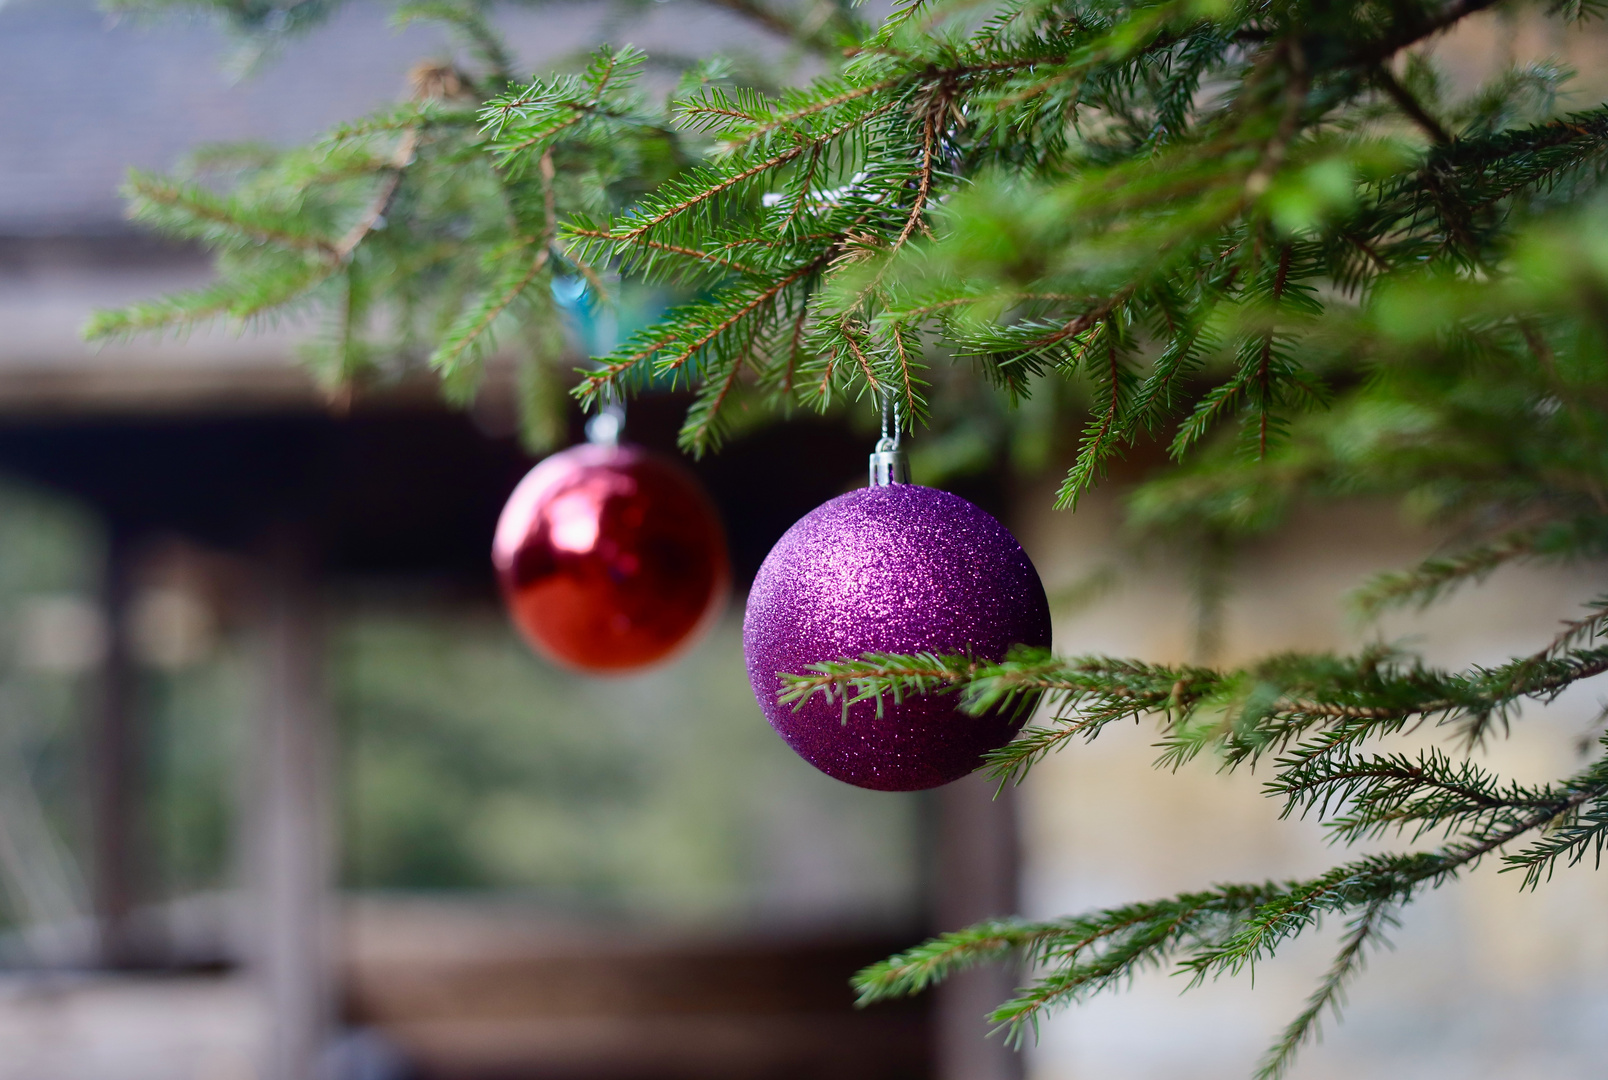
(903, 569)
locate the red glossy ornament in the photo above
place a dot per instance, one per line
(610, 558)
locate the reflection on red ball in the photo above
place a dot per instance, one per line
(610, 558)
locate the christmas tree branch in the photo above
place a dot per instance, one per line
(1190, 221)
(1411, 106)
(1204, 935)
(193, 212)
(469, 335)
(1243, 713)
(1415, 26)
(1362, 931)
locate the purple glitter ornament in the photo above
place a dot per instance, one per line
(895, 568)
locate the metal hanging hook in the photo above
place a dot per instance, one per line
(888, 462)
(608, 425)
(890, 421)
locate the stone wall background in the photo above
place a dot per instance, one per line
(1485, 980)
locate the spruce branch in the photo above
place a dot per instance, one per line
(911, 410)
(1366, 797)
(748, 307)
(1201, 935)
(1579, 828)
(1362, 931)
(1199, 223)
(468, 335)
(191, 211)
(1414, 26)
(1099, 439)
(717, 261)
(240, 302)
(1410, 106)
(704, 187)
(939, 106)
(1433, 579)
(933, 961)
(376, 210)
(739, 126)
(1335, 702)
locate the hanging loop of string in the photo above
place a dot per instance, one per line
(608, 425)
(594, 325)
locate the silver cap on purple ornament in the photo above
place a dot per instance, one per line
(888, 462)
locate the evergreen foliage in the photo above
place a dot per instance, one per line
(1262, 233)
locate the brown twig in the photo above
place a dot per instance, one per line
(742, 313)
(168, 195)
(812, 109)
(1410, 34)
(676, 249)
(1410, 105)
(860, 358)
(905, 377)
(924, 185)
(774, 161)
(401, 158)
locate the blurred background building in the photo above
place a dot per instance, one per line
(280, 792)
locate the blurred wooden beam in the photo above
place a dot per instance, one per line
(977, 866)
(517, 1000)
(115, 768)
(288, 819)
